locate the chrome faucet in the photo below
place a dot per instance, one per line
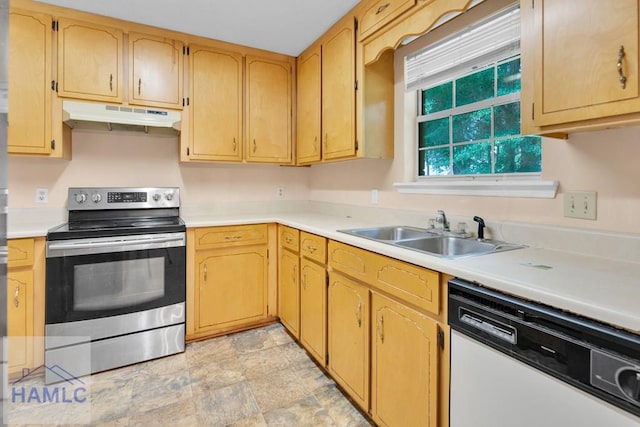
(441, 219)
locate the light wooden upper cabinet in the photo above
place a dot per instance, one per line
(338, 90)
(268, 110)
(309, 95)
(583, 59)
(89, 61)
(29, 130)
(380, 12)
(155, 71)
(215, 105)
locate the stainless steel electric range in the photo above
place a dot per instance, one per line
(115, 278)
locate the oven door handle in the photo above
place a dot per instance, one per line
(115, 243)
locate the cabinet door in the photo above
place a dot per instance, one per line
(578, 60)
(313, 309)
(404, 365)
(338, 91)
(20, 319)
(89, 61)
(231, 287)
(348, 321)
(155, 71)
(268, 110)
(215, 99)
(289, 291)
(309, 106)
(29, 130)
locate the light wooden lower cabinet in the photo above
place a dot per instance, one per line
(387, 334)
(20, 319)
(231, 278)
(348, 332)
(20, 302)
(313, 309)
(289, 295)
(404, 365)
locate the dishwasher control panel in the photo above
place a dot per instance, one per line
(616, 375)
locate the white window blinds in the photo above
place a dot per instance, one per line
(492, 39)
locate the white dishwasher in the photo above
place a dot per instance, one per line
(519, 364)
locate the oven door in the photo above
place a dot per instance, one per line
(104, 277)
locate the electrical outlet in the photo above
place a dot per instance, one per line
(374, 196)
(580, 204)
(42, 195)
(280, 192)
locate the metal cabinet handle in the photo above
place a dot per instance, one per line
(621, 77)
(235, 237)
(304, 280)
(381, 8)
(326, 136)
(16, 295)
(293, 274)
(380, 328)
(311, 249)
(205, 272)
(111, 82)
(359, 314)
(288, 239)
(234, 145)
(315, 144)
(139, 86)
(255, 146)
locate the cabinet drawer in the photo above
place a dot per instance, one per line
(415, 285)
(289, 238)
(380, 13)
(20, 252)
(313, 247)
(351, 261)
(214, 237)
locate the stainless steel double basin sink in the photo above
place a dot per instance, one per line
(432, 242)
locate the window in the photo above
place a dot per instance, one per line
(468, 121)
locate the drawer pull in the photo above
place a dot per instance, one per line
(311, 249)
(621, 77)
(288, 239)
(382, 8)
(16, 295)
(235, 237)
(359, 314)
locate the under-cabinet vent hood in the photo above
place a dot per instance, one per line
(88, 115)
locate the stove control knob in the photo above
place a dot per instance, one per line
(96, 198)
(81, 198)
(156, 197)
(168, 196)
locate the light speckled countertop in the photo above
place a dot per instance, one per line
(591, 286)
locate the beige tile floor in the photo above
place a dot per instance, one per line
(253, 378)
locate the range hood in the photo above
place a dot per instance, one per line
(89, 115)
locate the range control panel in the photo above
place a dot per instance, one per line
(94, 198)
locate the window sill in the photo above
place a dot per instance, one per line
(495, 188)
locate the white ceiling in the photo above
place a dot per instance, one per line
(284, 26)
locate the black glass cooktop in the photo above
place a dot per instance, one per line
(83, 225)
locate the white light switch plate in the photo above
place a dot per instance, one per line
(580, 204)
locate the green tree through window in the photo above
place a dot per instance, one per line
(470, 125)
